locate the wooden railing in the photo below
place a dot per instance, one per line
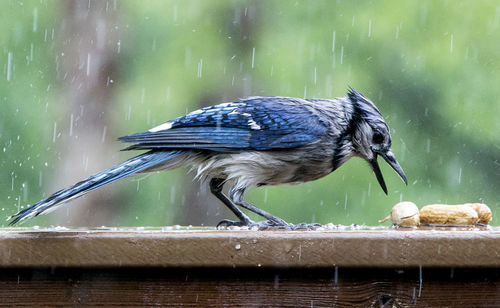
(205, 268)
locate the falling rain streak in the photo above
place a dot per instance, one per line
(341, 54)
(451, 44)
(333, 42)
(200, 68)
(71, 125)
(35, 19)
(55, 133)
(88, 64)
(9, 65)
(253, 57)
(104, 130)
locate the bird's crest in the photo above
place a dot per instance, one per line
(366, 108)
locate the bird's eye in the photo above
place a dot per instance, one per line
(378, 138)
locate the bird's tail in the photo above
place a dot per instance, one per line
(140, 163)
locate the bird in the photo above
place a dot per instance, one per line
(251, 142)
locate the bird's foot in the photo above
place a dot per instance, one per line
(267, 225)
(261, 225)
(226, 223)
(305, 226)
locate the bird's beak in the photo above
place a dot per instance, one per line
(391, 160)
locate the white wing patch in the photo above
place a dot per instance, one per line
(253, 124)
(164, 126)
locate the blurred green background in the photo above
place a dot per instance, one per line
(78, 74)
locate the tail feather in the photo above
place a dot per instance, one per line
(134, 165)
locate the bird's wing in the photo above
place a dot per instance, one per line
(258, 123)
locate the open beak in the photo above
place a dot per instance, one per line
(391, 160)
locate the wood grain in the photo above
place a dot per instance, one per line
(208, 248)
(243, 287)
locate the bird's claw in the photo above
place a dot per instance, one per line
(232, 223)
(267, 225)
(306, 226)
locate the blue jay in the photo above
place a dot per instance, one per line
(252, 142)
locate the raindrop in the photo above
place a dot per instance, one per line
(88, 64)
(35, 19)
(369, 28)
(419, 280)
(104, 130)
(25, 191)
(9, 65)
(118, 46)
(428, 145)
(496, 19)
(129, 112)
(336, 275)
(459, 175)
(200, 68)
(397, 32)
(172, 194)
(71, 125)
(341, 54)
(253, 57)
(31, 51)
(315, 74)
(143, 94)
(276, 282)
(333, 41)
(55, 133)
(451, 44)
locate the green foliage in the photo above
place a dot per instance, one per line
(430, 66)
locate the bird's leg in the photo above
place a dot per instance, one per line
(273, 221)
(216, 185)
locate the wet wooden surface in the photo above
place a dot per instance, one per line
(243, 287)
(353, 267)
(211, 248)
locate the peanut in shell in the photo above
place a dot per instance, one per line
(460, 214)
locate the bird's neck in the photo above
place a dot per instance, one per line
(347, 126)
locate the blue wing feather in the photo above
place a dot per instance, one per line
(260, 123)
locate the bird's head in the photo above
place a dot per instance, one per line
(371, 137)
